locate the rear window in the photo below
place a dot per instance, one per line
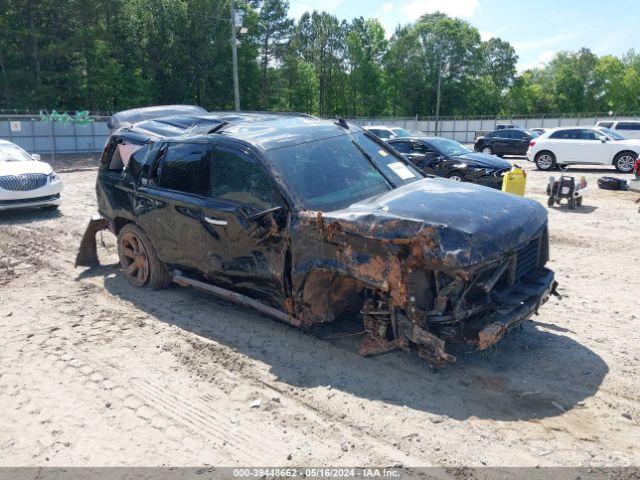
(185, 168)
(566, 135)
(605, 124)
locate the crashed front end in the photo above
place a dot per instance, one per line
(425, 285)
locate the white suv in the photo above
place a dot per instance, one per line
(583, 145)
(627, 128)
(388, 133)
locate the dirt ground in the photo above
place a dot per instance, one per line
(94, 372)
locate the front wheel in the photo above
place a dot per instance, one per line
(550, 201)
(488, 150)
(139, 260)
(456, 177)
(624, 162)
(572, 203)
(545, 161)
(579, 201)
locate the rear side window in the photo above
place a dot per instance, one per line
(185, 168)
(236, 177)
(517, 134)
(588, 135)
(566, 135)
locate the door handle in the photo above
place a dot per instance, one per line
(215, 221)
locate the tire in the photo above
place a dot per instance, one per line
(624, 161)
(455, 177)
(572, 203)
(579, 201)
(550, 201)
(488, 150)
(545, 161)
(139, 259)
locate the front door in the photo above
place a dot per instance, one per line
(210, 211)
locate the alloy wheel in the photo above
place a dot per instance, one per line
(134, 261)
(545, 162)
(625, 163)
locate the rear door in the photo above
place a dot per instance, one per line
(564, 145)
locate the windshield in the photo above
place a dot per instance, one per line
(333, 173)
(612, 134)
(13, 153)
(401, 132)
(449, 147)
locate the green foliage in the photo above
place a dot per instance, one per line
(110, 55)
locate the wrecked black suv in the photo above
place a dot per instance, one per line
(310, 220)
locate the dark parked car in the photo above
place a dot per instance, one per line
(310, 221)
(449, 159)
(508, 141)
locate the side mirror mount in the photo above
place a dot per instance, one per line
(603, 139)
(36, 157)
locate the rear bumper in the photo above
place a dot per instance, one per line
(47, 201)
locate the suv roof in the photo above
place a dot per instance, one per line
(257, 128)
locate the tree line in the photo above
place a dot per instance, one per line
(110, 55)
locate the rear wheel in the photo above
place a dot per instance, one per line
(572, 203)
(624, 161)
(550, 201)
(545, 161)
(139, 260)
(579, 201)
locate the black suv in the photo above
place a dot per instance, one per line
(310, 220)
(508, 141)
(450, 159)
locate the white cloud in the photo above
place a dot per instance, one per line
(454, 8)
(543, 58)
(484, 36)
(387, 7)
(297, 8)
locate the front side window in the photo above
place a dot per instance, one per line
(237, 178)
(588, 135)
(402, 147)
(185, 168)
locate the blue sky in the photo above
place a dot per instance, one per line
(536, 28)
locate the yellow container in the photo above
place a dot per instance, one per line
(515, 181)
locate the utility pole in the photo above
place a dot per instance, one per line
(438, 93)
(234, 55)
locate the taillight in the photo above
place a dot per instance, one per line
(531, 144)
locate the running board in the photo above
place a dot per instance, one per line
(179, 278)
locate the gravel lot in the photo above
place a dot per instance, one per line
(93, 372)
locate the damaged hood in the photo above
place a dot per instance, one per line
(456, 224)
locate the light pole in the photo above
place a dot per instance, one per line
(234, 56)
(438, 93)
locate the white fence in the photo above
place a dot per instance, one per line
(464, 130)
